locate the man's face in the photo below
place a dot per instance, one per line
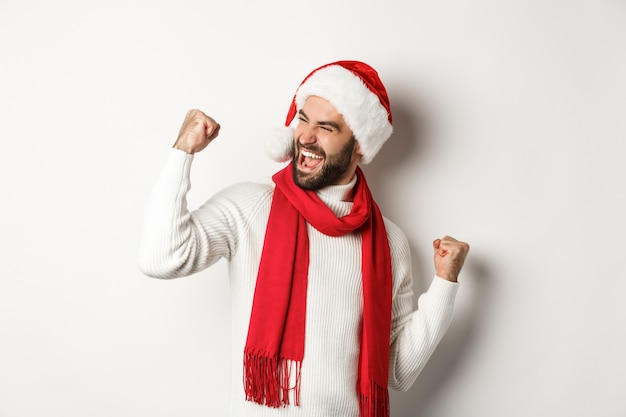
(326, 152)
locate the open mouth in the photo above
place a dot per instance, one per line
(308, 160)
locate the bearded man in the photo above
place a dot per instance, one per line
(322, 301)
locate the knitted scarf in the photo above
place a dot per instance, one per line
(275, 344)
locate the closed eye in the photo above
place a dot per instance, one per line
(331, 127)
(302, 117)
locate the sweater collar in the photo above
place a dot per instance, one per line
(341, 192)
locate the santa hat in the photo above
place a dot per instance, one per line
(356, 91)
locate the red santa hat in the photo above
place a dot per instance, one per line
(356, 91)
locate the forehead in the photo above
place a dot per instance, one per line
(320, 109)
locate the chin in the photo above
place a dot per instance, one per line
(308, 180)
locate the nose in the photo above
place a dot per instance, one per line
(307, 134)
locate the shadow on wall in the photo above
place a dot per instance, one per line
(409, 131)
(410, 143)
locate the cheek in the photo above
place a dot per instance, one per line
(334, 145)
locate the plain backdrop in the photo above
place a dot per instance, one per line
(510, 133)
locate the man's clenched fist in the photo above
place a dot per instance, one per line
(197, 131)
(449, 257)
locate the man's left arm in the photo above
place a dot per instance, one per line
(416, 334)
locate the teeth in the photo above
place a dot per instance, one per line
(311, 155)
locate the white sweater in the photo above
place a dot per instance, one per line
(231, 225)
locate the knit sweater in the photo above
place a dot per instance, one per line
(231, 225)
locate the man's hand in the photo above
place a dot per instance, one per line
(449, 257)
(197, 131)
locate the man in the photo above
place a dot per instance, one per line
(323, 319)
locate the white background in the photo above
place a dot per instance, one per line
(510, 133)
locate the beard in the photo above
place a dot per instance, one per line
(333, 167)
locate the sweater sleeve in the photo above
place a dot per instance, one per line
(415, 333)
(176, 242)
(171, 244)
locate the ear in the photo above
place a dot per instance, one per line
(357, 149)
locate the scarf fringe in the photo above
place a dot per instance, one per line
(267, 379)
(375, 403)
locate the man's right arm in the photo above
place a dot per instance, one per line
(175, 242)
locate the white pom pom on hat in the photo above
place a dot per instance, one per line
(356, 91)
(279, 147)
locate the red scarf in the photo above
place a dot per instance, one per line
(275, 346)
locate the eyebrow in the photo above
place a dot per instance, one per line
(323, 123)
